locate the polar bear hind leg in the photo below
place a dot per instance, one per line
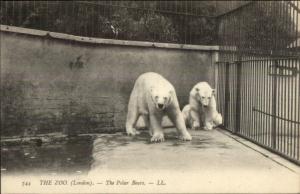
(132, 116)
(218, 120)
(147, 123)
(186, 115)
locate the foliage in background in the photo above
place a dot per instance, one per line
(187, 22)
(269, 30)
(258, 29)
(132, 20)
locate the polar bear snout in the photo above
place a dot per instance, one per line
(161, 102)
(160, 106)
(205, 101)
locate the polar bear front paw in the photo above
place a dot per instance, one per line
(208, 126)
(196, 126)
(185, 137)
(158, 137)
(132, 132)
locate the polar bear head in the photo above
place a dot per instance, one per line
(161, 96)
(203, 93)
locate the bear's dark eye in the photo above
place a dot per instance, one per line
(197, 89)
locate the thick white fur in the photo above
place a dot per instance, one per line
(186, 112)
(153, 97)
(202, 108)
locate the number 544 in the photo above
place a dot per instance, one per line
(26, 183)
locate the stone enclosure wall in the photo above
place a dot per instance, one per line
(53, 82)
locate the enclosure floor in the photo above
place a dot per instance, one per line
(213, 161)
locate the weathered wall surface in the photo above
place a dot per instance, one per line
(53, 84)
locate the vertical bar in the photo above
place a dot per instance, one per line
(94, 23)
(283, 106)
(238, 97)
(193, 18)
(189, 19)
(104, 11)
(223, 88)
(273, 31)
(261, 91)
(60, 13)
(47, 16)
(274, 112)
(66, 11)
(286, 23)
(86, 25)
(244, 95)
(297, 64)
(181, 19)
(185, 23)
(259, 115)
(269, 108)
(291, 108)
(289, 103)
(298, 102)
(254, 46)
(276, 11)
(219, 92)
(256, 102)
(231, 92)
(297, 25)
(281, 139)
(294, 108)
(280, 38)
(7, 15)
(251, 96)
(267, 101)
(19, 13)
(260, 40)
(246, 100)
(260, 97)
(13, 19)
(264, 76)
(73, 14)
(227, 95)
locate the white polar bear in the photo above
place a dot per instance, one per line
(153, 97)
(202, 108)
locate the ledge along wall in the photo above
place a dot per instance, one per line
(52, 82)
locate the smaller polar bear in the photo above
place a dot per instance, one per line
(202, 108)
(152, 98)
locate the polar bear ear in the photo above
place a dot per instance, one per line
(213, 92)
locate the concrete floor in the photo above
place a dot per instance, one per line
(214, 161)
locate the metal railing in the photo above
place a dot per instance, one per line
(258, 77)
(185, 22)
(261, 28)
(260, 100)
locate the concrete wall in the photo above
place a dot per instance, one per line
(53, 82)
